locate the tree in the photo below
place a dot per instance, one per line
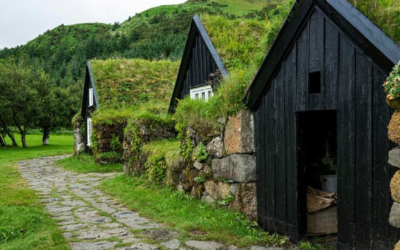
(18, 97)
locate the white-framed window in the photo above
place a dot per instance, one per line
(90, 97)
(203, 92)
(89, 131)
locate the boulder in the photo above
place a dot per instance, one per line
(394, 127)
(216, 147)
(394, 157)
(207, 199)
(394, 218)
(79, 139)
(395, 187)
(239, 134)
(197, 191)
(246, 200)
(217, 190)
(197, 165)
(236, 168)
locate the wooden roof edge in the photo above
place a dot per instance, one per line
(196, 25)
(371, 39)
(366, 27)
(88, 79)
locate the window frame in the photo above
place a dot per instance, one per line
(199, 92)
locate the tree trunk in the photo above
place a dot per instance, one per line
(2, 141)
(9, 133)
(14, 142)
(23, 140)
(21, 130)
(46, 136)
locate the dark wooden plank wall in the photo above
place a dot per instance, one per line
(352, 85)
(200, 67)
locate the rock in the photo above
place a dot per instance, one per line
(216, 147)
(142, 246)
(222, 120)
(207, 170)
(397, 246)
(266, 248)
(161, 234)
(234, 188)
(197, 191)
(395, 187)
(79, 139)
(172, 244)
(92, 246)
(239, 134)
(238, 168)
(393, 128)
(394, 157)
(246, 200)
(394, 218)
(203, 245)
(197, 165)
(207, 199)
(124, 215)
(217, 190)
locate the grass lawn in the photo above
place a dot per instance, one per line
(24, 223)
(84, 163)
(191, 217)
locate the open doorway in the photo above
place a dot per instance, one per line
(317, 160)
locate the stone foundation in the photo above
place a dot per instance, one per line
(79, 138)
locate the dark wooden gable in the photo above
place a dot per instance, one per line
(325, 39)
(200, 59)
(89, 83)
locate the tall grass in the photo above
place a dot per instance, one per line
(24, 223)
(384, 13)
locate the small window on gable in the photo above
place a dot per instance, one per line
(90, 97)
(314, 82)
(89, 131)
(203, 92)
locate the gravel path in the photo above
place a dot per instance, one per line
(91, 219)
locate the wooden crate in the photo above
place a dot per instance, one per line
(323, 222)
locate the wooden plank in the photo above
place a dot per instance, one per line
(363, 153)
(316, 33)
(291, 163)
(280, 152)
(302, 70)
(315, 100)
(346, 122)
(331, 65)
(258, 121)
(270, 178)
(381, 170)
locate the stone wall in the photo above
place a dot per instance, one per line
(134, 157)
(394, 217)
(79, 138)
(227, 172)
(105, 134)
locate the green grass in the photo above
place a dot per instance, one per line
(85, 164)
(189, 216)
(24, 223)
(241, 7)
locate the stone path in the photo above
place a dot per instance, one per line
(92, 220)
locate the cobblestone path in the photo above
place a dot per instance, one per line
(91, 219)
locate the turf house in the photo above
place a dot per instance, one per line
(200, 60)
(117, 91)
(319, 109)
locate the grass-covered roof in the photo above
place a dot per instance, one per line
(122, 83)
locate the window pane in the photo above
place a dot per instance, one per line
(209, 94)
(203, 95)
(196, 96)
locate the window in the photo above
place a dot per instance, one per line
(203, 92)
(89, 131)
(90, 97)
(314, 82)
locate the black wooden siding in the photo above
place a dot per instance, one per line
(352, 85)
(201, 65)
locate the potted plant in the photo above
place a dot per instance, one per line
(392, 89)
